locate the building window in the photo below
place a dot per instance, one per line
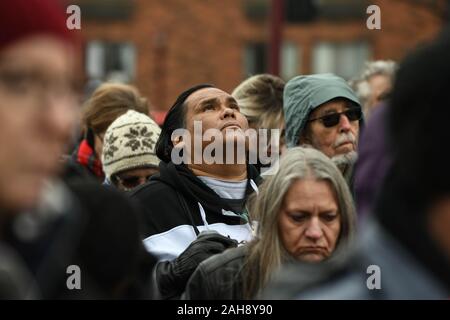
(256, 10)
(255, 59)
(110, 61)
(344, 59)
(343, 9)
(106, 10)
(300, 11)
(290, 62)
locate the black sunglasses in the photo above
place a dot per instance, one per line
(132, 182)
(332, 119)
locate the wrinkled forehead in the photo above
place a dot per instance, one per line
(206, 94)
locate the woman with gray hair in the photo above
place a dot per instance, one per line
(304, 212)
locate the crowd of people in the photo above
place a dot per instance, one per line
(360, 179)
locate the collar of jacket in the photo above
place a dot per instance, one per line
(182, 179)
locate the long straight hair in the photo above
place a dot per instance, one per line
(266, 252)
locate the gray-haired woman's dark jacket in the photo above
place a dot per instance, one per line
(218, 278)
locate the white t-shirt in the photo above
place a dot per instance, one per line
(226, 189)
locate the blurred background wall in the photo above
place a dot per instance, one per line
(165, 46)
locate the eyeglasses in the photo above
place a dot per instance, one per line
(132, 182)
(332, 119)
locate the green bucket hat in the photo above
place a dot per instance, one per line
(303, 94)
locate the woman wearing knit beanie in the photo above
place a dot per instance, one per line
(128, 157)
(107, 103)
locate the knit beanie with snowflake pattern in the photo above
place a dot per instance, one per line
(129, 143)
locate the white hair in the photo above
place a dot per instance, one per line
(360, 84)
(379, 67)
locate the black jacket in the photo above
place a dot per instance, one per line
(172, 204)
(73, 227)
(218, 278)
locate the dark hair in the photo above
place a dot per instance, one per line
(124, 278)
(175, 119)
(417, 125)
(417, 136)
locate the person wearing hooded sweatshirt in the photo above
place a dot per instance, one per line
(406, 241)
(185, 199)
(322, 110)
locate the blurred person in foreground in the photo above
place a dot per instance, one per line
(305, 213)
(38, 108)
(44, 224)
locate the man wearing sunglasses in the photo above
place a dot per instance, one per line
(322, 111)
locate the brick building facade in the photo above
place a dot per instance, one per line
(165, 46)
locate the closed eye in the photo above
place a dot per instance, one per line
(298, 216)
(329, 216)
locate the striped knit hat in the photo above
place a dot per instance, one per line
(129, 143)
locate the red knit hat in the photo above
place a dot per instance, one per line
(23, 18)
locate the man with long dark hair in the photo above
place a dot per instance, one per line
(196, 195)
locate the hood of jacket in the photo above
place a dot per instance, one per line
(303, 94)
